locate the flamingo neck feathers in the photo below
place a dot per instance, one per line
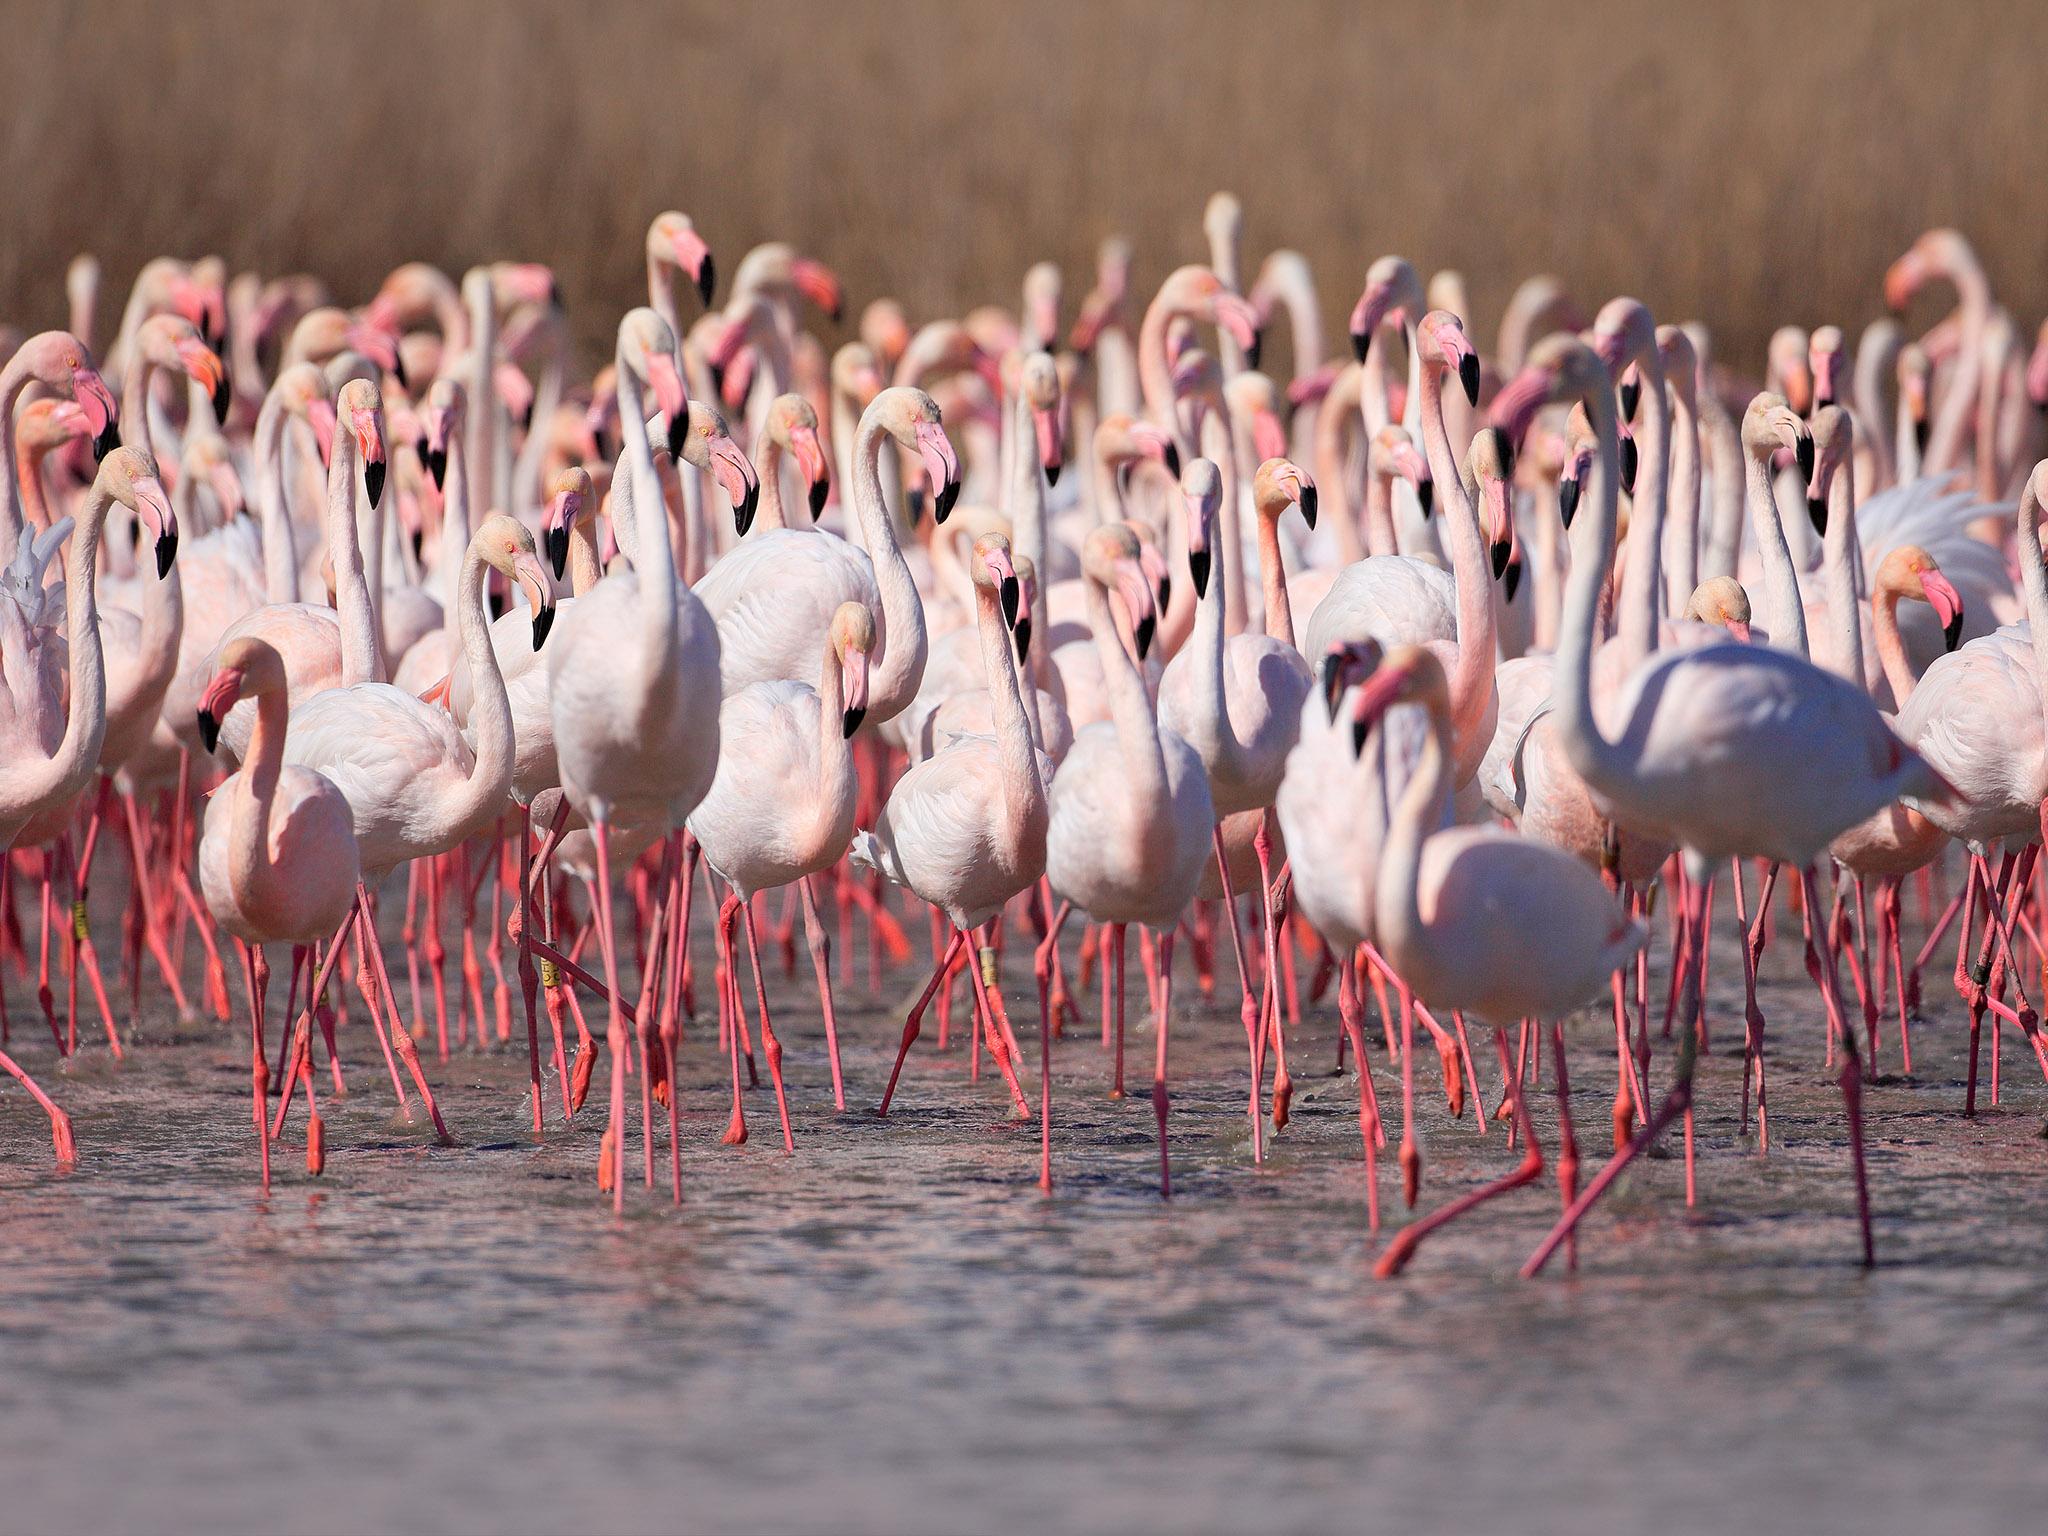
(900, 667)
(1273, 578)
(250, 875)
(456, 517)
(1605, 765)
(1641, 605)
(653, 557)
(1025, 810)
(2034, 578)
(1845, 608)
(1973, 297)
(1027, 517)
(1212, 736)
(769, 515)
(1471, 673)
(362, 648)
(1130, 707)
(1781, 580)
(67, 769)
(1397, 898)
(1891, 645)
(280, 551)
(836, 782)
(490, 775)
(1682, 531)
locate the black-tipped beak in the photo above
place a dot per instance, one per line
(1817, 514)
(1425, 493)
(223, 398)
(1952, 632)
(1501, 552)
(743, 514)
(707, 279)
(108, 440)
(556, 541)
(166, 552)
(943, 505)
(1361, 343)
(1173, 460)
(398, 371)
(1468, 375)
(1514, 581)
(1628, 465)
(209, 732)
(1360, 729)
(1144, 635)
(1021, 633)
(1630, 393)
(678, 433)
(1308, 506)
(1567, 500)
(1198, 569)
(1922, 431)
(1251, 353)
(437, 466)
(1332, 682)
(373, 481)
(1010, 594)
(1803, 452)
(850, 722)
(1165, 594)
(820, 491)
(1052, 474)
(543, 621)
(419, 542)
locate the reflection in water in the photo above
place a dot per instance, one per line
(892, 1330)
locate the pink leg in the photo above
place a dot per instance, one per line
(820, 943)
(769, 1044)
(912, 1025)
(1042, 968)
(1248, 1006)
(1352, 1012)
(1165, 1014)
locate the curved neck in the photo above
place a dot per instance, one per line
(1973, 296)
(1472, 674)
(481, 421)
(1641, 602)
(2034, 580)
(1397, 897)
(1130, 706)
(362, 648)
(280, 549)
(1845, 608)
(14, 378)
(1781, 578)
(250, 872)
(836, 781)
(490, 716)
(1024, 802)
(584, 570)
(1891, 645)
(1210, 732)
(654, 559)
(1333, 484)
(1601, 763)
(1682, 532)
(455, 526)
(901, 667)
(85, 727)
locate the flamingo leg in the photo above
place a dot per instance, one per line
(60, 1122)
(1410, 1237)
(770, 1045)
(729, 1006)
(913, 1024)
(1352, 1012)
(1567, 1143)
(1248, 1008)
(1165, 1014)
(1270, 917)
(407, 1052)
(1851, 1078)
(820, 944)
(1042, 967)
(259, 1068)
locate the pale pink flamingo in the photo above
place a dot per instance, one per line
(633, 677)
(966, 828)
(277, 856)
(1734, 751)
(1945, 254)
(1132, 821)
(674, 246)
(61, 364)
(780, 811)
(1478, 919)
(790, 430)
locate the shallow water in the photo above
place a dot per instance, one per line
(892, 1330)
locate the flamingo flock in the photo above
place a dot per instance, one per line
(361, 620)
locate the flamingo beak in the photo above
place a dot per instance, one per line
(1305, 497)
(1376, 696)
(1495, 495)
(670, 399)
(1366, 315)
(434, 449)
(1045, 426)
(154, 509)
(735, 475)
(694, 257)
(1236, 317)
(1020, 632)
(89, 390)
(1516, 405)
(516, 390)
(381, 348)
(1825, 368)
(1269, 438)
(203, 367)
(1802, 450)
(1947, 603)
(1007, 588)
(809, 454)
(1631, 391)
(561, 516)
(1136, 592)
(1902, 280)
(369, 427)
(1739, 629)
(854, 682)
(540, 596)
(1817, 514)
(941, 468)
(320, 416)
(818, 283)
(221, 696)
(1156, 445)
(1629, 462)
(1567, 499)
(227, 489)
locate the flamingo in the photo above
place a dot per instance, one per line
(966, 828)
(277, 856)
(1734, 751)
(1132, 819)
(790, 428)
(780, 809)
(633, 677)
(1480, 919)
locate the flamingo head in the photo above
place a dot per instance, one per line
(672, 239)
(649, 346)
(885, 332)
(793, 424)
(62, 363)
(207, 459)
(1409, 674)
(994, 572)
(1110, 558)
(1281, 483)
(852, 637)
(1770, 424)
(912, 417)
(1042, 306)
(1827, 355)
(1394, 453)
(570, 504)
(303, 391)
(1721, 600)
(248, 668)
(856, 374)
(1790, 368)
(1833, 435)
(361, 408)
(1911, 572)
(1916, 375)
(447, 405)
(1027, 584)
(1201, 489)
(1393, 290)
(1039, 383)
(1443, 343)
(1490, 465)
(708, 446)
(1344, 663)
(820, 284)
(503, 543)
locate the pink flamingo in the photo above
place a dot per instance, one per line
(780, 810)
(1436, 894)
(1132, 820)
(277, 856)
(1735, 751)
(632, 679)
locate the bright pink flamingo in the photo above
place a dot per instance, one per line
(277, 856)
